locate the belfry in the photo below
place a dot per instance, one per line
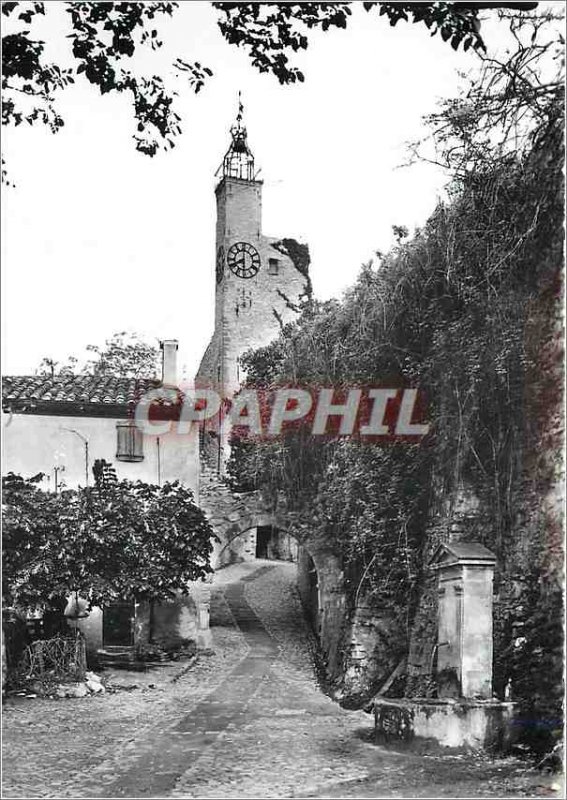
(238, 161)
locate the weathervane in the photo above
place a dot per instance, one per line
(240, 108)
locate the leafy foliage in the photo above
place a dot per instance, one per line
(503, 106)
(102, 38)
(272, 31)
(299, 254)
(48, 366)
(105, 37)
(123, 355)
(117, 539)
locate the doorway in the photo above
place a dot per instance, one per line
(263, 538)
(118, 624)
(274, 544)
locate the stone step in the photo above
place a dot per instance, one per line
(112, 654)
(119, 657)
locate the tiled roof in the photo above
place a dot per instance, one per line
(33, 392)
(466, 551)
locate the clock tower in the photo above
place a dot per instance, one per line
(258, 285)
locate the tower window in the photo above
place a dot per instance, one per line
(273, 266)
(129, 442)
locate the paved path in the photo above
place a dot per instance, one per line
(225, 708)
(252, 723)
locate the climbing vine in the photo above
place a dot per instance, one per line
(468, 310)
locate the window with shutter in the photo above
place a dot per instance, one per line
(129, 442)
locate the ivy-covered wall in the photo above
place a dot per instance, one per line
(469, 311)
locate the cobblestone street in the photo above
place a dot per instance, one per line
(248, 721)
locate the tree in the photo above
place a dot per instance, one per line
(124, 355)
(117, 539)
(103, 36)
(28, 522)
(48, 366)
(505, 106)
(272, 31)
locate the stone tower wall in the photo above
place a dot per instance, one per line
(248, 311)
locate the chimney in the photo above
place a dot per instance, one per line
(169, 361)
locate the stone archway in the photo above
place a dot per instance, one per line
(232, 514)
(256, 536)
(352, 643)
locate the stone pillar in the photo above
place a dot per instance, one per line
(464, 644)
(202, 596)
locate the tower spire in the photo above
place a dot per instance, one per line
(238, 161)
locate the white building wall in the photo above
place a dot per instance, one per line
(37, 443)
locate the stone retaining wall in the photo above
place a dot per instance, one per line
(476, 724)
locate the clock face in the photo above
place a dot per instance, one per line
(220, 264)
(243, 259)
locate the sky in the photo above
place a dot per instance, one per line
(98, 238)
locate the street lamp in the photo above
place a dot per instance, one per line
(57, 469)
(86, 443)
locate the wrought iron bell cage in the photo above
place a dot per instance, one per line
(238, 161)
